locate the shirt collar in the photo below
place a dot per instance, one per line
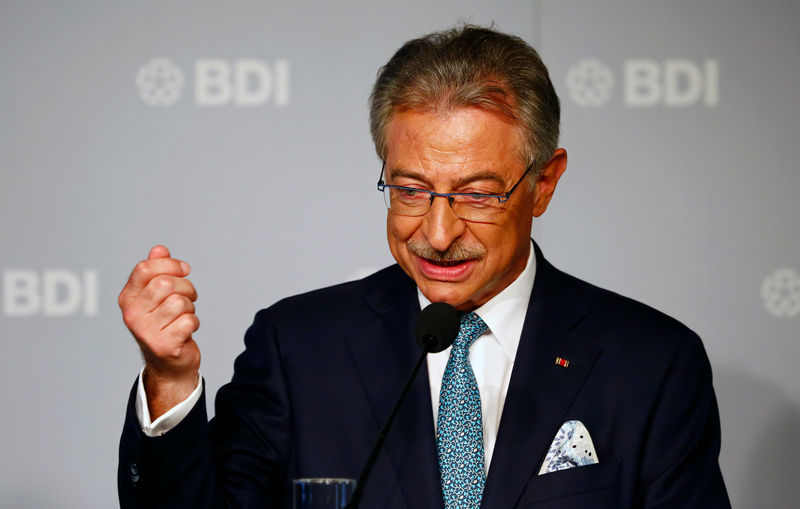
(504, 313)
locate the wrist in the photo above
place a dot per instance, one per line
(165, 391)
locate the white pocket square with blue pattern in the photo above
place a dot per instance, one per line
(572, 447)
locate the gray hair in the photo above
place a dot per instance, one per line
(470, 66)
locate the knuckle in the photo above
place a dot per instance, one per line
(182, 326)
(177, 304)
(163, 283)
(174, 301)
(183, 322)
(129, 315)
(142, 268)
(189, 323)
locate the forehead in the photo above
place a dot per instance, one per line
(450, 145)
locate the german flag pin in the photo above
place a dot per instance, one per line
(564, 363)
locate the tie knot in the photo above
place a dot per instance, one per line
(472, 326)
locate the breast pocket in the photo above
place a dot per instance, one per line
(595, 486)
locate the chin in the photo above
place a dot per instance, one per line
(439, 292)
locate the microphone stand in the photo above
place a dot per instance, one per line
(427, 342)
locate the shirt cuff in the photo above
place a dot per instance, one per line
(172, 417)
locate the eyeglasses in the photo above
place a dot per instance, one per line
(415, 202)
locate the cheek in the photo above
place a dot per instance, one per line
(504, 242)
(399, 229)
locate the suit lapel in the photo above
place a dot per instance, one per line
(384, 352)
(540, 391)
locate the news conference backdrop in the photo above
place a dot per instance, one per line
(236, 134)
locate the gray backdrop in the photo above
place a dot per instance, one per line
(236, 133)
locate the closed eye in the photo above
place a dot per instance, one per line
(477, 200)
(409, 194)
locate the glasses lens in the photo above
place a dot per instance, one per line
(476, 207)
(407, 202)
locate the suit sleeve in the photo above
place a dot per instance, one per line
(681, 455)
(239, 459)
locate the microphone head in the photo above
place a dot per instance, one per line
(437, 327)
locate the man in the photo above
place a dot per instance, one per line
(556, 393)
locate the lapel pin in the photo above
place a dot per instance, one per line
(562, 362)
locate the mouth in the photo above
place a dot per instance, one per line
(446, 263)
(453, 265)
(451, 271)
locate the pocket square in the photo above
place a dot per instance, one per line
(572, 447)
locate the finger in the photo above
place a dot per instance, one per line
(158, 251)
(173, 307)
(161, 287)
(182, 327)
(173, 338)
(146, 270)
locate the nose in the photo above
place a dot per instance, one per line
(440, 225)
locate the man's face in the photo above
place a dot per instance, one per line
(468, 150)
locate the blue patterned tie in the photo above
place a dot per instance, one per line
(459, 426)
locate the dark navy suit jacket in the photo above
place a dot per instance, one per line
(321, 372)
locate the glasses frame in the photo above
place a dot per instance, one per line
(502, 198)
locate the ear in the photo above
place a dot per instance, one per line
(545, 184)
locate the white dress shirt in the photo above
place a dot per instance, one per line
(491, 355)
(172, 417)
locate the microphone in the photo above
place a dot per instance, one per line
(436, 328)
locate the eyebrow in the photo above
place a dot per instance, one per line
(468, 179)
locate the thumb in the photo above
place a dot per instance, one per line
(158, 251)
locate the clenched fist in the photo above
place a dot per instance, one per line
(157, 306)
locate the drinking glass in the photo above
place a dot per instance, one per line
(322, 493)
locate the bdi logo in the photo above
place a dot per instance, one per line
(646, 83)
(244, 82)
(51, 292)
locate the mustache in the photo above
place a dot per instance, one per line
(458, 251)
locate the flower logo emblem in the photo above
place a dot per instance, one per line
(589, 83)
(780, 293)
(160, 82)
